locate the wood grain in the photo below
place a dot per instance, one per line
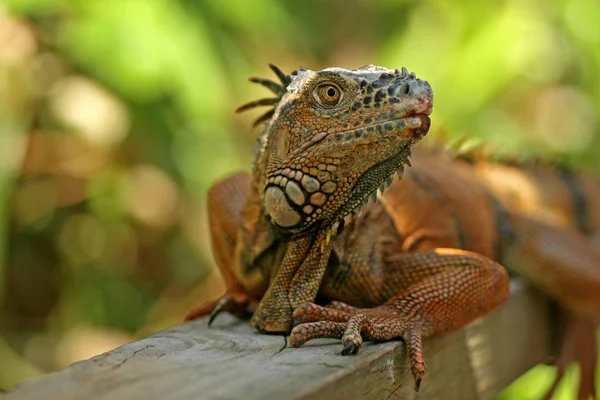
(229, 361)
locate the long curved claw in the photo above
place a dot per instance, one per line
(418, 381)
(350, 348)
(200, 310)
(218, 309)
(238, 304)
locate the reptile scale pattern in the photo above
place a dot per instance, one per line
(323, 240)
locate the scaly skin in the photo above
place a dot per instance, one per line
(415, 263)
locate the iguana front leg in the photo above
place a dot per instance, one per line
(444, 290)
(226, 201)
(297, 280)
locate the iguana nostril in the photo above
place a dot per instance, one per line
(405, 88)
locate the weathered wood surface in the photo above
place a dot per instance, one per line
(229, 361)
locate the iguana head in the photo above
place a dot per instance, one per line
(334, 138)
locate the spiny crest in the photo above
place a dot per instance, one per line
(359, 210)
(375, 68)
(279, 88)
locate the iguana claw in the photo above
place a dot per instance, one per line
(350, 348)
(217, 310)
(238, 304)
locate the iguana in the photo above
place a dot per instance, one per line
(309, 245)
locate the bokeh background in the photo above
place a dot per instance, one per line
(117, 115)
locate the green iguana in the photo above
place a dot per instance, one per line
(309, 242)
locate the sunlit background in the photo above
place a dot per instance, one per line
(117, 115)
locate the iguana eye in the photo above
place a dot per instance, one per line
(328, 94)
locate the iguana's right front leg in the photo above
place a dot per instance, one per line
(226, 200)
(430, 292)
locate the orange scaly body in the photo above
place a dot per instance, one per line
(301, 239)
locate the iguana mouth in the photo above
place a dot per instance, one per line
(425, 125)
(421, 122)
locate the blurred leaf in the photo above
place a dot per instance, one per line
(35, 7)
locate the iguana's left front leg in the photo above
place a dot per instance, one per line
(226, 200)
(437, 291)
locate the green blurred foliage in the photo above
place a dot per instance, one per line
(117, 117)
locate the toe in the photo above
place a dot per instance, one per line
(352, 339)
(221, 304)
(310, 312)
(235, 303)
(350, 348)
(313, 330)
(200, 310)
(414, 348)
(338, 305)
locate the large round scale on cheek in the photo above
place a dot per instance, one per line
(318, 199)
(310, 184)
(294, 193)
(329, 187)
(279, 209)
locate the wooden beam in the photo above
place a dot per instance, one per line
(229, 361)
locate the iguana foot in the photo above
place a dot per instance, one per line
(579, 345)
(353, 325)
(236, 303)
